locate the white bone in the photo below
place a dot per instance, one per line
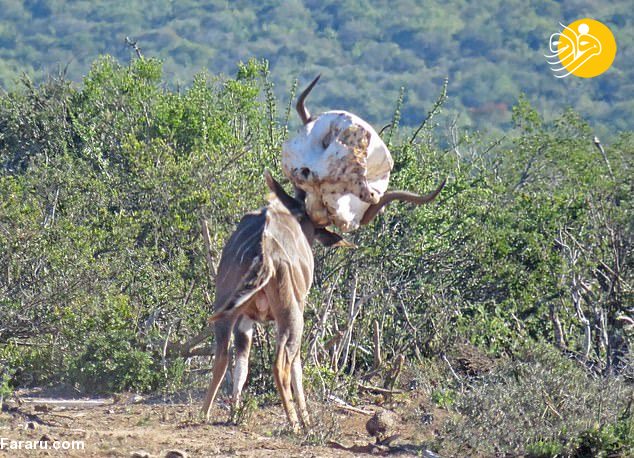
(342, 164)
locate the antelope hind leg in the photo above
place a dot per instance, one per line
(282, 375)
(243, 337)
(221, 361)
(298, 390)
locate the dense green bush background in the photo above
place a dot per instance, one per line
(103, 187)
(366, 50)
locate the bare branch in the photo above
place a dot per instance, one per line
(434, 110)
(599, 146)
(208, 253)
(377, 345)
(133, 45)
(557, 328)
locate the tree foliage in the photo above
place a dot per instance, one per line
(366, 51)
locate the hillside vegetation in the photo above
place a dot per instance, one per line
(490, 50)
(511, 294)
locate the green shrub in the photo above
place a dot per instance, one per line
(110, 363)
(243, 413)
(544, 449)
(613, 439)
(102, 192)
(6, 389)
(8, 365)
(542, 403)
(444, 398)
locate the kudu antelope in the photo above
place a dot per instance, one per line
(265, 273)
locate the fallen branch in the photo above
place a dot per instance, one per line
(341, 404)
(379, 390)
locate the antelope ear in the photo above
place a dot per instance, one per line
(332, 239)
(293, 205)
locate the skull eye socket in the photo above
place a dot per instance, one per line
(327, 140)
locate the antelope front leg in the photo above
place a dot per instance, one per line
(286, 351)
(298, 390)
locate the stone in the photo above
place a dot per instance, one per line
(175, 454)
(381, 425)
(140, 454)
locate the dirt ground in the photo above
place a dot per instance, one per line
(125, 425)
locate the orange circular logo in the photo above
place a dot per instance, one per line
(584, 48)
